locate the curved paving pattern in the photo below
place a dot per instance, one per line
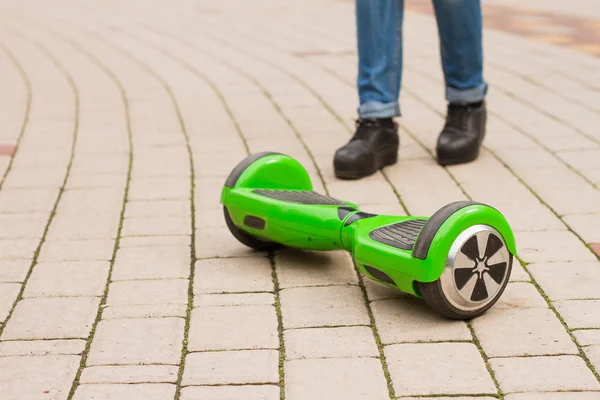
(119, 280)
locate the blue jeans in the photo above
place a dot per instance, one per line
(379, 28)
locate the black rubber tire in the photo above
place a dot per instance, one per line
(435, 298)
(247, 239)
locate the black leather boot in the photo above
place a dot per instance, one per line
(373, 146)
(463, 133)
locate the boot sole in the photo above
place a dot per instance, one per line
(386, 159)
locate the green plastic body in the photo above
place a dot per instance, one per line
(319, 227)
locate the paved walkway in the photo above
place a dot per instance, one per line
(120, 121)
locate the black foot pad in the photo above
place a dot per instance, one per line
(401, 235)
(300, 196)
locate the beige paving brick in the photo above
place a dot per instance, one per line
(94, 200)
(77, 226)
(343, 342)
(562, 281)
(156, 226)
(144, 311)
(304, 268)
(378, 291)
(14, 270)
(543, 374)
(593, 354)
(116, 163)
(145, 391)
(551, 246)
(258, 392)
(587, 337)
(580, 313)
(35, 178)
(126, 342)
(17, 248)
(518, 273)
(159, 188)
(520, 295)
(28, 200)
(161, 162)
(68, 279)
(244, 274)
(323, 306)
(212, 328)
(163, 291)
(155, 241)
(356, 378)
(554, 396)
(411, 320)
(166, 208)
(41, 347)
(152, 263)
(76, 250)
(23, 226)
(130, 374)
(586, 226)
(208, 192)
(236, 299)
(410, 366)
(519, 332)
(52, 318)
(8, 295)
(231, 367)
(212, 242)
(449, 398)
(89, 180)
(37, 376)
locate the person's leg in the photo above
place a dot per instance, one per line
(460, 26)
(379, 39)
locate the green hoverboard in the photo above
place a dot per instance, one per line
(459, 260)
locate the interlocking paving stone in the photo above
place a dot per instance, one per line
(586, 337)
(52, 318)
(41, 347)
(410, 320)
(76, 250)
(144, 311)
(539, 374)
(236, 299)
(580, 313)
(67, 279)
(551, 246)
(563, 281)
(37, 377)
(342, 342)
(461, 369)
(8, 295)
(152, 263)
(554, 396)
(251, 274)
(160, 291)
(130, 374)
(149, 208)
(213, 328)
(14, 270)
(145, 391)
(240, 392)
(519, 332)
(323, 306)
(356, 378)
(231, 367)
(301, 268)
(126, 341)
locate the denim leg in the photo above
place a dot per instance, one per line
(460, 26)
(379, 31)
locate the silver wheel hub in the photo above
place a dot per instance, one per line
(476, 269)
